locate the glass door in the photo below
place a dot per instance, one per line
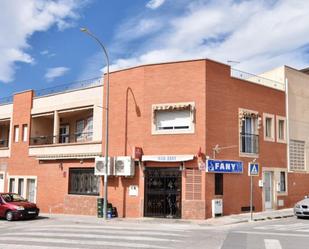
(268, 190)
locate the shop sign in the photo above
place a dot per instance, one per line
(168, 158)
(224, 166)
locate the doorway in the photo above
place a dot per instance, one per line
(162, 192)
(268, 190)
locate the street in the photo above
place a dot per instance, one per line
(82, 232)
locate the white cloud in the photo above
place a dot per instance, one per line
(259, 34)
(154, 4)
(55, 72)
(25, 18)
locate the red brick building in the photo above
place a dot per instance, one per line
(179, 115)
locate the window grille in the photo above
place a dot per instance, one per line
(82, 181)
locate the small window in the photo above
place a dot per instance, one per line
(249, 138)
(269, 127)
(25, 133)
(12, 185)
(281, 129)
(82, 181)
(282, 187)
(218, 184)
(16, 133)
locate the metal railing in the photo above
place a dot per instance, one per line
(6, 100)
(69, 87)
(62, 139)
(4, 143)
(249, 143)
(257, 79)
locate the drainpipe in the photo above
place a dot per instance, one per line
(287, 123)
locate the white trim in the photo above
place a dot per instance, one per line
(26, 178)
(272, 128)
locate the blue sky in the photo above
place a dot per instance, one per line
(43, 47)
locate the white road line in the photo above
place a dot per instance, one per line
(89, 236)
(23, 246)
(272, 244)
(14, 239)
(80, 230)
(159, 228)
(272, 233)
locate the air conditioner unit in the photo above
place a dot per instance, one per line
(217, 207)
(99, 168)
(124, 166)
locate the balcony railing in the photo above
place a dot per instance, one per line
(69, 87)
(249, 143)
(257, 79)
(4, 143)
(62, 139)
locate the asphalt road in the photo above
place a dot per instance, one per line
(75, 232)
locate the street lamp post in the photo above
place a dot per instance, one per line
(85, 30)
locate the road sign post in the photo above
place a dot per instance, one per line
(253, 170)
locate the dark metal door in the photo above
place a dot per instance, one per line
(163, 192)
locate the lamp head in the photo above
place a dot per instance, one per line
(83, 29)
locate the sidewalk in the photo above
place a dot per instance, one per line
(219, 221)
(258, 216)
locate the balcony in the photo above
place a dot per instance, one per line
(64, 133)
(4, 137)
(249, 143)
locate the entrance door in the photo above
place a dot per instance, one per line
(31, 190)
(268, 190)
(1, 182)
(162, 192)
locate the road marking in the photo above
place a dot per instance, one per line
(89, 236)
(272, 233)
(77, 230)
(272, 244)
(14, 239)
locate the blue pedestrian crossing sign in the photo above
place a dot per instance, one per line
(253, 169)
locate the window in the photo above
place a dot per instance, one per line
(82, 181)
(173, 118)
(25, 133)
(79, 130)
(218, 184)
(21, 186)
(269, 127)
(282, 182)
(249, 140)
(281, 129)
(16, 133)
(297, 155)
(12, 185)
(89, 128)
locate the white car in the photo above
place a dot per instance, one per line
(301, 208)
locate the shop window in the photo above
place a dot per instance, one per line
(82, 181)
(218, 184)
(281, 129)
(269, 127)
(297, 155)
(282, 182)
(173, 118)
(249, 138)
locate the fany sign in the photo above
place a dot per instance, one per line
(224, 166)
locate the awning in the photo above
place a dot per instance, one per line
(173, 106)
(67, 156)
(168, 158)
